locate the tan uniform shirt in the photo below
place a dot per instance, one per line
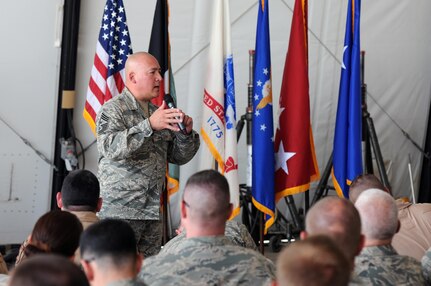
(414, 237)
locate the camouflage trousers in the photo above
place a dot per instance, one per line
(148, 235)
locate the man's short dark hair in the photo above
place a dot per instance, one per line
(80, 188)
(109, 238)
(48, 270)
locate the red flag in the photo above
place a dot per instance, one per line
(296, 164)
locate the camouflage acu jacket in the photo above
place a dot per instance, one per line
(382, 265)
(133, 158)
(236, 232)
(208, 261)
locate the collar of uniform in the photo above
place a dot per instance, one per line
(130, 100)
(380, 250)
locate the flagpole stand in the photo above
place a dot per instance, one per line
(370, 141)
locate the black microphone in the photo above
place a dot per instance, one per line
(170, 102)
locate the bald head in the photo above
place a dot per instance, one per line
(313, 261)
(143, 76)
(338, 219)
(362, 183)
(207, 200)
(379, 215)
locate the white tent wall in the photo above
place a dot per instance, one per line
(395, 35)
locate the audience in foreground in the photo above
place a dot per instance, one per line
(207, 257)
(379, 263)
(48, 270)
(109, 254)
(315, 261)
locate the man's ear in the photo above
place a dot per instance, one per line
(183, 210)
(99, 205)
(361, 244)
(303, 235)
(230, 211)
(139, 261)
(59, 200)
(131, 76)
(88, 269)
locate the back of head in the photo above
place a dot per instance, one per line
(109, 242)
(313, 261)
(379, 214)
(207, 198)
(48, 270)
(337, 218)
(80, 190)
(55, 232)
(362, 183)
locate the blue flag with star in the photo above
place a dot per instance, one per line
(263, 130)
(347, 159)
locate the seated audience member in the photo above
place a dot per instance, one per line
(234, 231)
(207, 257)
(315, 261)
(55, 232)
(109, 254)
(337, 218)
(80, 195)
(48, 270)
(379, 263)
(413, 237)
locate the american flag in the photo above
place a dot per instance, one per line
(112, 49)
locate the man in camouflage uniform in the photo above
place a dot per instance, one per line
(109, 255)
(234, 231)
(379, 263)
(206, 256)
(135, 140)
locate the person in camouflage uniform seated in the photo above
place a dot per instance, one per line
(135, 140)
(379, 263)
(206, 256)
(234, 231)
(109, 254)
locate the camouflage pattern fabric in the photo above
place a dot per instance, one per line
(208, 261)
(426, 266)
(127, 283)
(382, 265)
(236, 232)
(132, 158)
(148, 236)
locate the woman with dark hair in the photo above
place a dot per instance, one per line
(55, 232)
